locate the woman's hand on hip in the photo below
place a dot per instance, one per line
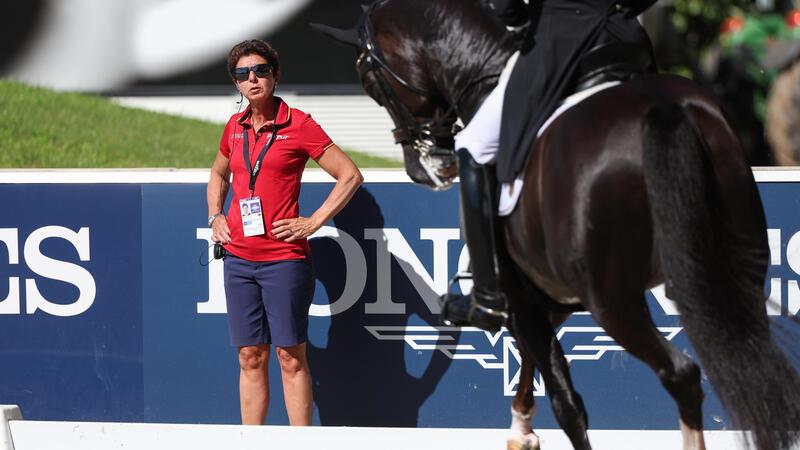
(289, 230)
(220, 231)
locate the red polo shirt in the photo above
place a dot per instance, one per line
(278, 184)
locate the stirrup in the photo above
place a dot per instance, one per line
(477, 308)
(475, 314)
(447, 298)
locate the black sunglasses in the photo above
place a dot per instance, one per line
(243, 73)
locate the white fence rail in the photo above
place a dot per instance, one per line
(355, 122)
(38, 435)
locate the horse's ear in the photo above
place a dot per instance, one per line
(347, 37)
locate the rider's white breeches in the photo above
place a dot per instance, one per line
(481, 137)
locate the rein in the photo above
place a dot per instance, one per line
(432, 139)
(371, 60)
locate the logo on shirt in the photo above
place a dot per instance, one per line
(280, 137)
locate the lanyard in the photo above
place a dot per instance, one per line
(255, 170)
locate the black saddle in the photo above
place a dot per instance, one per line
(615, 61)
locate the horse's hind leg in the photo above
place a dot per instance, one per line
(534, 331)
(631, 326)
(523, 408)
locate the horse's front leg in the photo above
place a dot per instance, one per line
(523, 408)
(534, 329)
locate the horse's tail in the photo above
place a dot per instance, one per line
(716, 278)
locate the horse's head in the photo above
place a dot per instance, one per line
(424, 121)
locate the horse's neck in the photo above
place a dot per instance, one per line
(469, 86)
(468, 57)
(474, 99)
(484, 81)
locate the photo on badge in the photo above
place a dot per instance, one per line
(252, 220)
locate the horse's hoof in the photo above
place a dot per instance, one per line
(528, 442)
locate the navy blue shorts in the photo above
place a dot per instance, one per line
(268, 302)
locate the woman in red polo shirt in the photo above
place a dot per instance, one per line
(269, 281)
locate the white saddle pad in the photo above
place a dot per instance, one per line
(509, 192)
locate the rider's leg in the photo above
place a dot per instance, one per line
(477, 146)
(486, 306)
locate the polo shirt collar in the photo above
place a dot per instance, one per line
(281, 119)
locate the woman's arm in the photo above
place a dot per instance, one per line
(217, 191)
(348, 179)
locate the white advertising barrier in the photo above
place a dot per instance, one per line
(35, 435)
(68, 389)
(179, 176)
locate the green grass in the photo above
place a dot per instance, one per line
(40, 128)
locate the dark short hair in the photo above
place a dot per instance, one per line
(254, 47)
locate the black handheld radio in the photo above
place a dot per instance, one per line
(219, 251)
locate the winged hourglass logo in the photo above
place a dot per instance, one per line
(583, 344)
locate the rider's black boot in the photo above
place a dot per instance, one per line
(486, 306)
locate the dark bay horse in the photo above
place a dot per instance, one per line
(640, 184)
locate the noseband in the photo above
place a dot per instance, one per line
(433, 139)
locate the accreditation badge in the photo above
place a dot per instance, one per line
(252, 216)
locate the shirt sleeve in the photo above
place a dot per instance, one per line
(225, 140)
(315, 140)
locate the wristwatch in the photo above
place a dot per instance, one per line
(212, 217)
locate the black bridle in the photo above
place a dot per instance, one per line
(433, 140)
